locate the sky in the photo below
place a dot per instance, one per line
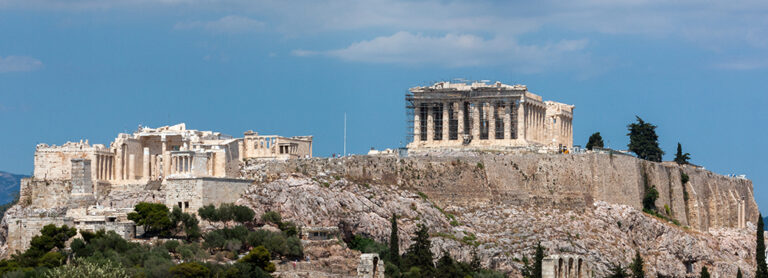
(86, 69)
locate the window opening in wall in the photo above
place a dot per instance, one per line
(186, 204)
(180, 205)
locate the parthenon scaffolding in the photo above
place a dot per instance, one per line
(483, 116)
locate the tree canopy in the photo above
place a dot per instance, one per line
(643, 140)
(680, 157)
(595, 140)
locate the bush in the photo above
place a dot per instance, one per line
(259, 257)
(191, 270)
(154, 217)
(649, 201)
(91, 267)
(272, 217)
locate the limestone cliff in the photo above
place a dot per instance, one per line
(502, 205)
(571, 182)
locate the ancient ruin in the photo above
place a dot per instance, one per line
(565, 266)
(170, 164)
(483, 116)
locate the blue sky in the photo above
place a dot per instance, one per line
(90, 69)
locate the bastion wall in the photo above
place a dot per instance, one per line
(566, 181)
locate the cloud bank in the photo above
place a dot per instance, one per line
(19, 64)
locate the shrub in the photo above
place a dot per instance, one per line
(154, 217)
(271, 217)
(191, 270)
(91, 267)
(259, 257)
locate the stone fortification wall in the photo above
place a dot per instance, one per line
(571, 182)
(192, 194)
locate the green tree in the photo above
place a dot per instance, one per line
(649, 200)
(762, 269)
(154, 217)
(90, 267)
(447, 267)
(680, 157)
(618, 272)
(394, 243)
(190, 270)
(538, 259)
(259, 257)
(208, 213)
(643, 140)
(637, 266)
(419, 254)
(185, 222)
(272, 217)
(704, 272)
(475, 264)
(595, 140)
(242, 214)
(738, 273)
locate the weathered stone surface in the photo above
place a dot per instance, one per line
(603, 234)
(561, 181)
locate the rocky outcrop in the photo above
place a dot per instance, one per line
(502, 233)
(570, 182)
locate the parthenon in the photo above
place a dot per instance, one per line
(486, 116)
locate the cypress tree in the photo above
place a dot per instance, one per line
(680, 157)
(595, 140)
(704, 272)
(537, 261)
(394, 243)
(738, 273)
(419, 254)
(762, 269)
(643, 140)
(637, 266)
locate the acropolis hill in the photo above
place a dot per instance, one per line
(500, 177)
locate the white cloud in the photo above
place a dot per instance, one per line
(227, 24)
(19, 64)
(459, 50)
(743, 64)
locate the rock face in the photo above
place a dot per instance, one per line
(499, 205)
(571, 182)
(602, 233)
(502, 205)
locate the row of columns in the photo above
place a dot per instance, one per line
(181, 164)
(104, 166)
(569, 268)
(508, 109)
(534, 121)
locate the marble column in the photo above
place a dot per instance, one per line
(430, 123)
(521, 120)
(446, 120)
(507, 120)
(417, 122)
(492, 121)
(476, 120)
(460, 126)
(166, 156)
(145, 164)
